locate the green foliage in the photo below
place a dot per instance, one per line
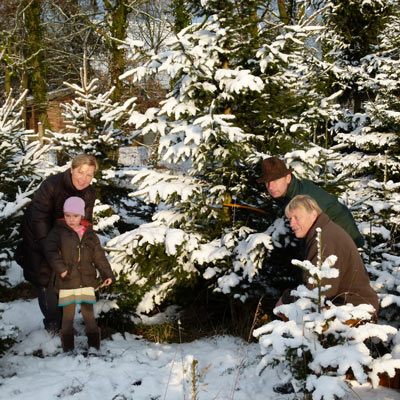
(213, 130)
(116, 320)
(181, 14)
(228, 102)
(159, 270)
(298, 360)
(358, 24)
(129, 294)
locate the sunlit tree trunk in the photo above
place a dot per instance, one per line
(34, 54)
(117, 21)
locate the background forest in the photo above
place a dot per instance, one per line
(201, 91)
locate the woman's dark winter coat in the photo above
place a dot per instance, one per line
(81, 257)
(39, 218)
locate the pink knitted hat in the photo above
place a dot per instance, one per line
(74, 205)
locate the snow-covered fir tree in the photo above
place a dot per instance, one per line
(349, 62)
(205, 133)
(91, 123)
(241, 90)
(19, 157)
(319, 345)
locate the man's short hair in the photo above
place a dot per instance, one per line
(84, 159)
(303, 201)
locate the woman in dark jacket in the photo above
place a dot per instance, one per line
(74, 252)
(40, 215)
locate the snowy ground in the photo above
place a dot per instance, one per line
(131, 368)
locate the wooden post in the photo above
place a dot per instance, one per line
(385, 171)
(40, 133)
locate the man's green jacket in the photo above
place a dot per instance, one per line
(328, 203)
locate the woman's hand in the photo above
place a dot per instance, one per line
(64, 274)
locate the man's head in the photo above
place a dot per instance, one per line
(276, 176)
(302, 211)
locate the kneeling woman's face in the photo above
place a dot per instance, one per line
(301, 221)
(82, 176)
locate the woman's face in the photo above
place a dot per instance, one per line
(82, 176)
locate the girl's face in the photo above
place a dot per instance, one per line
(72, 220)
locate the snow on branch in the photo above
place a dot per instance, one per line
(155, 186)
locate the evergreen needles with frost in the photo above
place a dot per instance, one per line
(92, 123)
(18, 159)
(363, 60)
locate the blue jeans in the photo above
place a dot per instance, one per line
(48, 303)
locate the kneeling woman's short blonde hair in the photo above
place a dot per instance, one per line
(303, 201)
(84, 159)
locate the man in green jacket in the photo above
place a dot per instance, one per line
(282, 185)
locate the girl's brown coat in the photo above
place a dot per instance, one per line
(64, 251)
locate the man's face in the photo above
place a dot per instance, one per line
(301, 221)
(82, 176)
(278, 187)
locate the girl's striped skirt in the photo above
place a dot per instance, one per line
(77, 296)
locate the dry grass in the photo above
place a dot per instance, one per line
(216, 316)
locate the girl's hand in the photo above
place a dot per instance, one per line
(64, 274)
(107, 282)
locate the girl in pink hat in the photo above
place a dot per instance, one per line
(74, 252)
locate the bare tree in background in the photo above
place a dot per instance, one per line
(34, 55)
(42, 42)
